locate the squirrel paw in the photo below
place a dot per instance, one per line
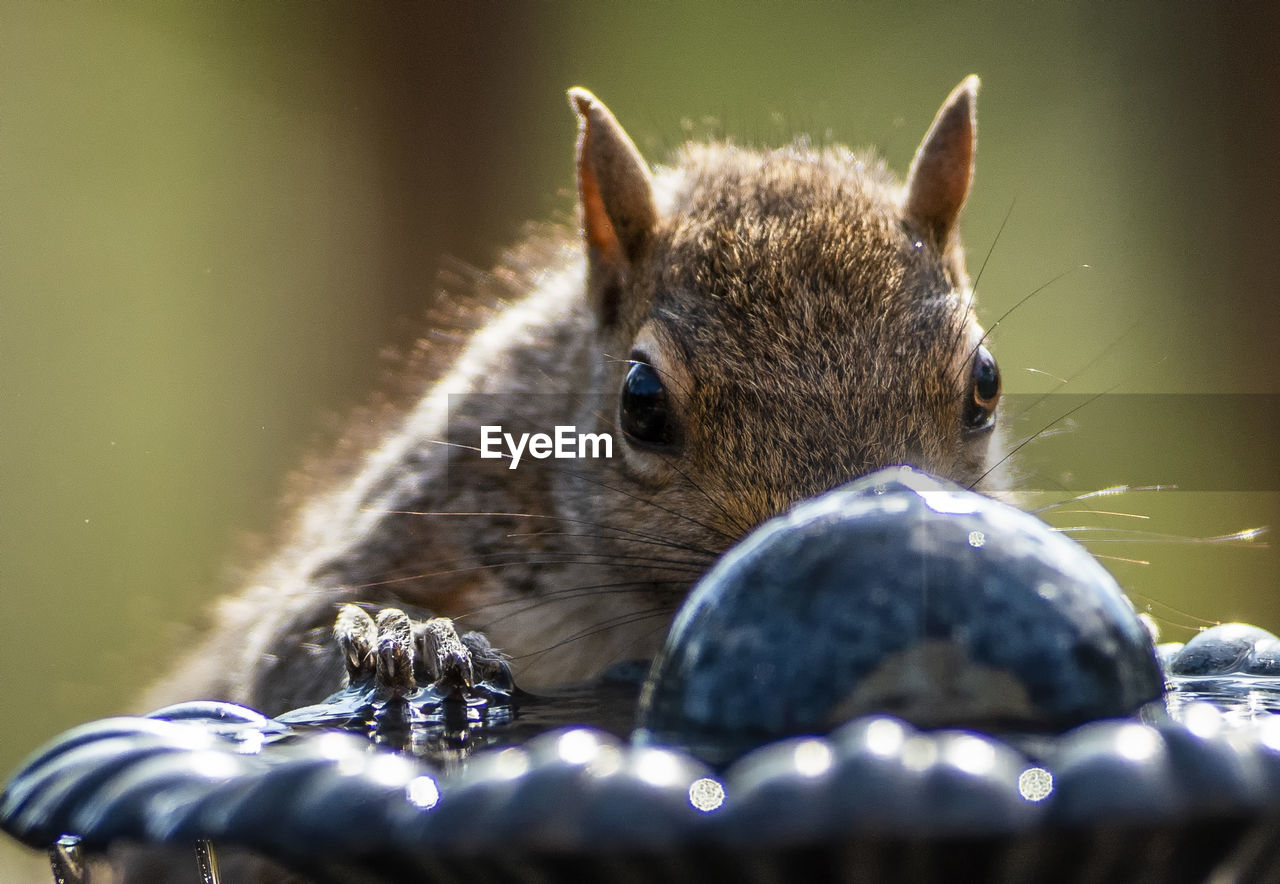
(459, 662)
(399, 653)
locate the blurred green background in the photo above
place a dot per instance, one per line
(214, 217)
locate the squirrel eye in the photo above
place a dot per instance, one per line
(985, 390)
(642, 410)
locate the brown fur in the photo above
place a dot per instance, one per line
(811, 320)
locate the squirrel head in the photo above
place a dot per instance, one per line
(790, 318)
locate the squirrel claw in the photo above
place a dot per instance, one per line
(394, 655)
(356, 635)
(447, 659)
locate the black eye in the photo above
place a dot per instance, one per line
(643, 410)
(984, 391)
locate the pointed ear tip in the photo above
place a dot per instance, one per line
(581, 100)
(966, 92)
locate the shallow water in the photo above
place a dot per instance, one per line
(444, 735)
(1240, 698)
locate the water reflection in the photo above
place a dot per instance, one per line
(1238, 698)
(1035, 784)
(706, 794)
(423, 792)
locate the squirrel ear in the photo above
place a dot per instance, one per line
(942, 170)
(616, 195)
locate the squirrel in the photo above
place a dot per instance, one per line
(747, 327)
